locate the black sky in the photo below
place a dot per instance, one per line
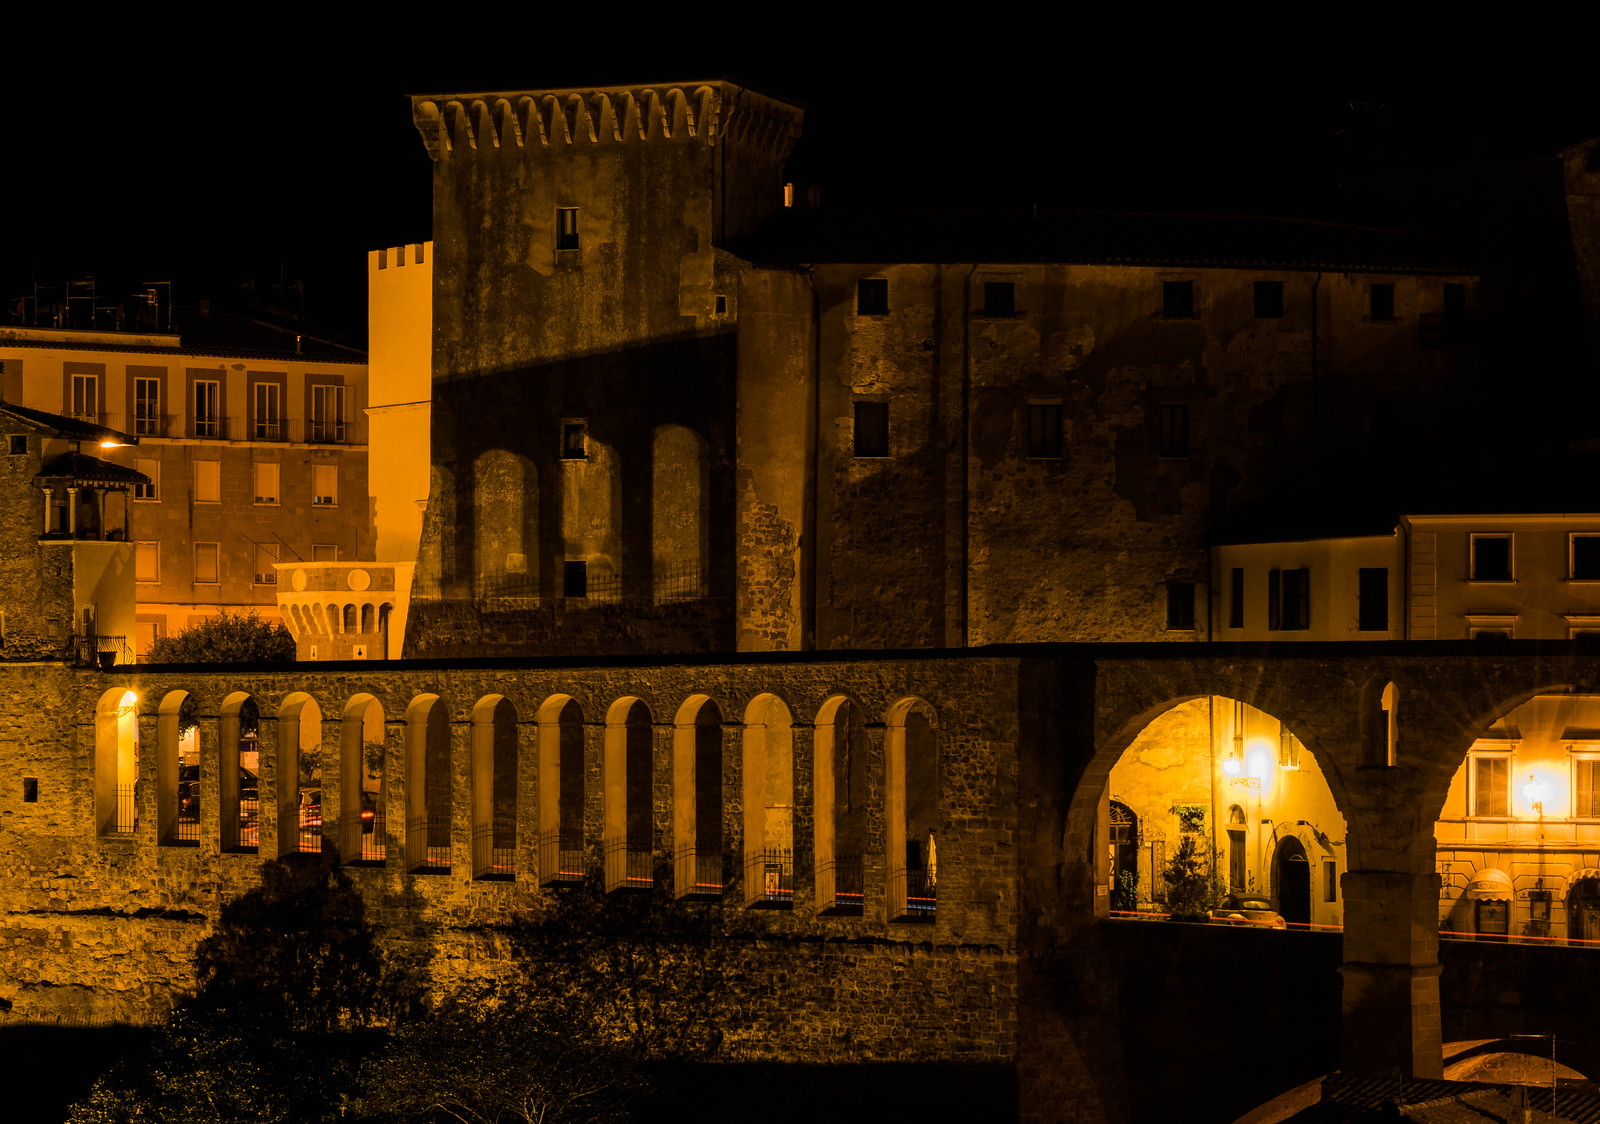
(248, 152)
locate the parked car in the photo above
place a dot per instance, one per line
(1247, 909)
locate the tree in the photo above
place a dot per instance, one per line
(1191, 889)
(227, 638)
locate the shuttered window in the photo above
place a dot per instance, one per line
(1583, 777)
(1490, 792)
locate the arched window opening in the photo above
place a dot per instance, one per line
(116, 762)
(299, 775)
(697, 800)
(1124, 827)
(177, 771)
(561, 791)
(912, 792)
(1391, 723)
(239, 773)
(428, 823)
(1291, 875)
(840, 794)
(335, 619)
(1237, 854)
(383, 630)
(768, 775)
(369, 619)
(351, 623)
(494, 789)
(505, 525)
(680, 514)
(628, 769)
(358, 801)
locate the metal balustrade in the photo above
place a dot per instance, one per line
(840, 884)
(428, 844)
(769, 878)
(915, 888)
(125, 816)
(628, 866)
(559, 860)
(698, 873)
(494, 850)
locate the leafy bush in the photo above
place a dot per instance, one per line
(1125, 892)
(226, 638)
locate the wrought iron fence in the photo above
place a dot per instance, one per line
(185, 831)
(247, 835)
(915, 888)
(559, 860)
(125, 816)
(769, 877)
(364, 838)
(679, 581)
(428, 844)
(104, 651)
(494, 849)
(310, 816)
(629, 866)
(698, 873)
(841, 884)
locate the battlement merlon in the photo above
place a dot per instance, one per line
(673, 111)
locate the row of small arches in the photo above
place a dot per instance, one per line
(334, 620)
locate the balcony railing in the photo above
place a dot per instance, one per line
(678, 581)
(363, 838)
(629, 866)
(560, 860)
(326, 432)
(769, 878)
(310, 816)
(185, 830)
(269, 429)
(915, 888)
(428, 845)
(207, 427)
(698, 873)
(494, 850)
(124, 816)
(840, 884)
(245, 835)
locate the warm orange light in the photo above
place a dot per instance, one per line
(1231, 766)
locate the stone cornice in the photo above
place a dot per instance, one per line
(686, 111)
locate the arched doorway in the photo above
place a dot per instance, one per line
(1294, 882)
(1124, 857)
(1583, 905)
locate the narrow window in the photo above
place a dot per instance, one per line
(151, 468)
(205, 563)
(327, 414)
(1236, 598)
(1288, 600)
(1173, 438)
(19, 444)
(266, 557)
(1583, 775)
(1269, 300)
(1330, 880)
(1180, 606)
(566, 228)
(266, 482)
(1491, 558)
(1382, 302)
(207, 481)
(872, 429)
(147, 407)
(872, 296)
(721, 305)
(575, 580)
(1372, 596)
(1000, 299)
(147, 562)
(86, 397)
(1177, 300)
(30, 790)
(1044, 430)
(207, 399)
(267, 394)
(324, 485)
(1490, 792)
(574, 441)
(1585, 558)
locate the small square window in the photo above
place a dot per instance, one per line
(872, 429)
(872, 296)
(1177, 300)
(999, 299)
(1180, 606)
(266, 482)
(147, 562)
(207, 481)
(30, 790)
(1382, 302)
(205, 563)
(1044, 430)
(566, 228)
(324, 552)
(1269, 300)
(19, 444)
(720, 305)
(1586, 558)
(574, 441)
(1172, 441)
(575, 580)
(1491, 558)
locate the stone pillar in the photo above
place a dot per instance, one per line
(72, 512)
(49, 495)
(461, 864)
(1391, 973)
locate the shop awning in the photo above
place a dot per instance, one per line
(1490, 885)
(1586, 872)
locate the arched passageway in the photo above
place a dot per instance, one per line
(699, 862)
(428, 783)
(839, 815)
(911, 811)
(356, 812)
(561, 791)
(1291, 873)
(494, 788)
(768, 772)
(628, 769)
(116, 762)
(239, 773)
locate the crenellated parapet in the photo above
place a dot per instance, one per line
(703, 111)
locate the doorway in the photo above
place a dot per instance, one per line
(1583, 903)
(1294, 882)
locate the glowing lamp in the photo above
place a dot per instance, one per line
(1231, 766)
(1534, 793)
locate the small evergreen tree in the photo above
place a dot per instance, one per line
(227, 638)
(1191, 889)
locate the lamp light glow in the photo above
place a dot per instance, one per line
(1534, 793)
(1231, 766)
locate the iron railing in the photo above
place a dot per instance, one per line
(125, 815)
(629, 866)
(840, 884)
(185, 831)
(769, 878)
(494, 849)
(310, 816)
(917, 890)
(104, 651)
(363, 838)
(559, 860)
(428, 844)
(678, 581)
(246, 833)
(698, 873)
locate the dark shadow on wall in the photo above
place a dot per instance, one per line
(803, 1094)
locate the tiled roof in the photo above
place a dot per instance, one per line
(89, 470)
(73, 429)
(321, 358)
(806, 235)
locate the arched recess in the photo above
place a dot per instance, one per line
(299, 775)
(505, 512)
(428, 820)
(768, 773)
(494, 788)
(1291, 882)
(839, 793)
(561, 790)
(1238, 856)
(591, 523)
(1380, 724)
(239, 773)
(911, 809)
(116, 762)
(177, 772)
(627, 771)
(680, 513)
(357, 812)
(697, 765)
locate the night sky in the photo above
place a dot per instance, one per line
(290, 154)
